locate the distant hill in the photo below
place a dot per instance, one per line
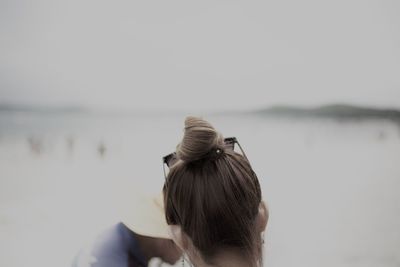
(335, 111)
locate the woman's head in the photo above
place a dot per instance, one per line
(213, 197)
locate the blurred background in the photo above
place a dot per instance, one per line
(94, 93)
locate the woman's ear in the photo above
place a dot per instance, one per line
(177, 236)
(262, 217)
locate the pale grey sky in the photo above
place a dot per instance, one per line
(200, 54)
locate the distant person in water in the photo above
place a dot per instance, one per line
(101, 149)
(35, 144)
(70, 141)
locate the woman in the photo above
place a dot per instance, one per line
(212, 200)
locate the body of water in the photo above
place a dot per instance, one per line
(332, 186)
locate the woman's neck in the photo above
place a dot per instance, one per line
(224, 259)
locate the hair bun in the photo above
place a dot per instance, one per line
(199, 139)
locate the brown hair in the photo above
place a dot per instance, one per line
(213, 194)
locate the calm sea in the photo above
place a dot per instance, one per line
(332, 186)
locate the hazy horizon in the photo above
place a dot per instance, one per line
(10, 106)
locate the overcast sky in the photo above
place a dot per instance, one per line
(199, 54)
